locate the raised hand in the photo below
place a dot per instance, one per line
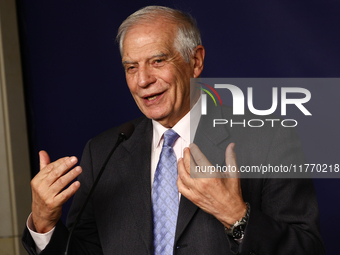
(221, 197)
(48, 193)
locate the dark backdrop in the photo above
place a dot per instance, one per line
(75, 85)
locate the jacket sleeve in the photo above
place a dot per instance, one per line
(284, 216)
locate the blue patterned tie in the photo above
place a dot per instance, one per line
(165, 197)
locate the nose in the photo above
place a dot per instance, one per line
(145, 76)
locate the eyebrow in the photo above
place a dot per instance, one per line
(159, 55)
(128, 62)
(162, 54)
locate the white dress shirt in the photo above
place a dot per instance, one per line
(185, 128)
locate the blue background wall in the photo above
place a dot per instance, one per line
(75, 85)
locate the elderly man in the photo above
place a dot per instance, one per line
(146, 202)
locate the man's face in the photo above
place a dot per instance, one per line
(157, 75)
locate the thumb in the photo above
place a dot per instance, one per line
(44, 159)
(231, 160)
(230, 155)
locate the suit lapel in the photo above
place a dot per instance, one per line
(212, 141)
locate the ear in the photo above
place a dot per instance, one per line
(198, 60)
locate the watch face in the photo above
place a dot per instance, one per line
(238, 231)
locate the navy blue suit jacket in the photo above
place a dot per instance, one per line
(118, 219)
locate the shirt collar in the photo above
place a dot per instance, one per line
(191, 120)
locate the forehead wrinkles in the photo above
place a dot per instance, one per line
(161, 34)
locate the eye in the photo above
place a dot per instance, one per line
(158, 62)
(130, 69)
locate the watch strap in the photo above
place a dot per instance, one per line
(237, 229)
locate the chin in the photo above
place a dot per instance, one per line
(157, 115)
(157, 118)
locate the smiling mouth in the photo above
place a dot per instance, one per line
(151, 98)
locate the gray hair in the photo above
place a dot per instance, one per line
(188, 36)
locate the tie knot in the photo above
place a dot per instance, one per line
(170, 136)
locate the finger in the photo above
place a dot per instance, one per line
(230, 159)
(44, 159)
(64, 180)
(46, 169)
(61, 161)
(201, 161)
(184, 182)
(65, 195)
(181, 185)
(188, 170)
(182, 172)
(234, 177)
(182, 188)
(198, 156)
(230, 155)
(187, 161)
(60, 167)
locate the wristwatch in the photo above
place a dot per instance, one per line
(236, 230)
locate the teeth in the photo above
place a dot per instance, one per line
(152, 98)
